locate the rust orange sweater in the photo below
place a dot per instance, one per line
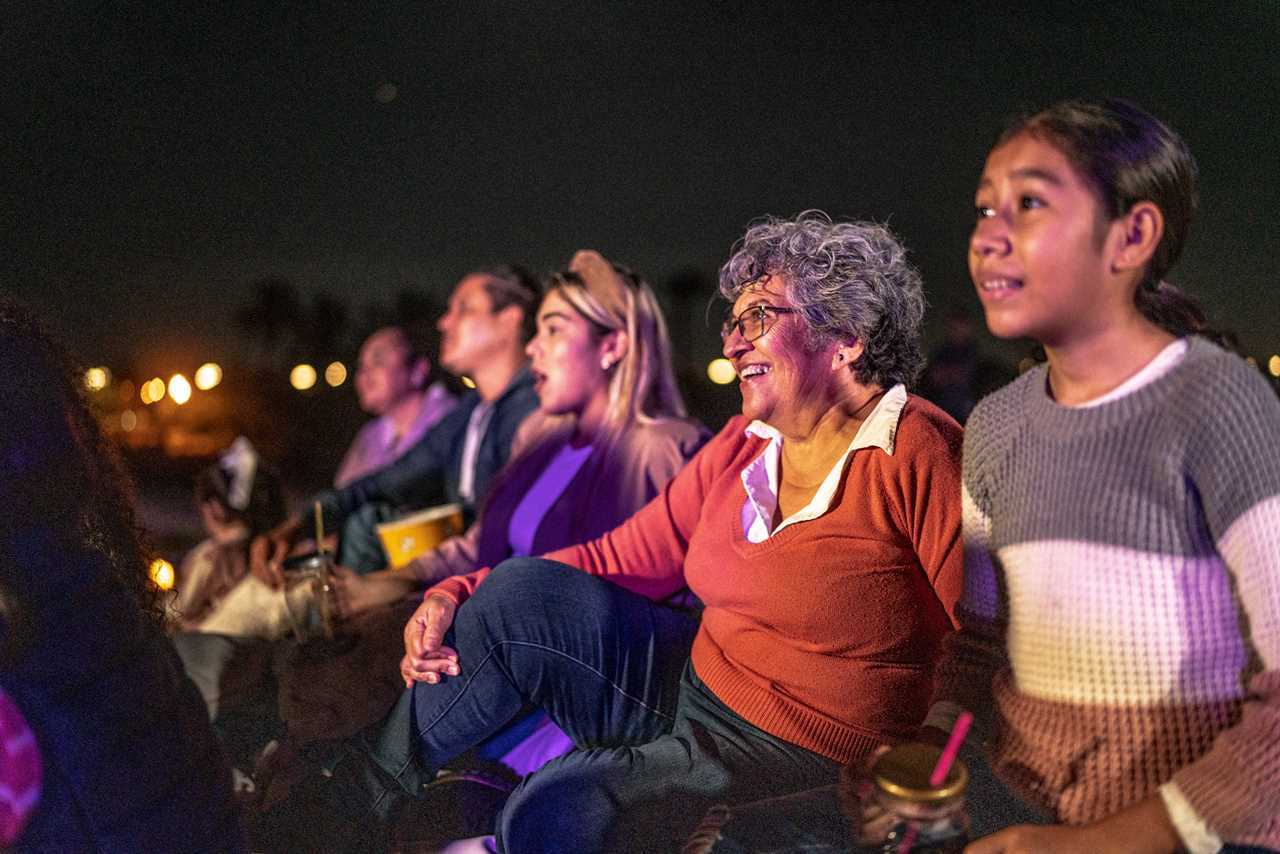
(825, 634)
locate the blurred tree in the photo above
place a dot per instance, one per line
(325, 334)
(271, 317)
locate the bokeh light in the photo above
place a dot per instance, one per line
(468, 382)
(721, 372)
(96, 379)
(128, 420)
(152, 391)
(208, 375)
(1273, 365)
(162, 574)
(179, 389)
(336, 374)
(302, 377)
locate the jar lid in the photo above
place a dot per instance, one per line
(903, 772)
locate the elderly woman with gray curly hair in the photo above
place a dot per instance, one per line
(821, 531)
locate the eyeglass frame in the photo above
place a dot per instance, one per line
(764, 310)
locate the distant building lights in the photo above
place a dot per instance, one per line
(302, 377)
(208, 376)
(162, 574)
(179, 389)
(152, 391)
(96, 379)
(721, 372)
(336, 374)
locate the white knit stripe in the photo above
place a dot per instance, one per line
(1251, 548)
(1096, 624)
(981, 592)
(1196, 835)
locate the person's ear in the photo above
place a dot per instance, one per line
(613, 348)
(512, 319)
(1141, 229)
(846, 354)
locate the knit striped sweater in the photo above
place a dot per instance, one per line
(1120, 625)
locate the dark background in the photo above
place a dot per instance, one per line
(163, 159)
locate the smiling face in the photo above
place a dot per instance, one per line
(566, 359)
(783, 373)
(1039, 247)
(387, 371)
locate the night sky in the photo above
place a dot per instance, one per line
(162, 156)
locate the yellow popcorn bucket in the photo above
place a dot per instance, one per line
(409, 536)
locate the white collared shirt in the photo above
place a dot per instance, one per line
(477, 424)
(1163, 362)
(760, 476)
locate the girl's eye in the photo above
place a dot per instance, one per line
(983, 212)
(1028, 203)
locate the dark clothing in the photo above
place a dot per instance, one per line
(655, 749)
(130, 763)
(428, 473)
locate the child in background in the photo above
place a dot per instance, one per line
(238, 498)
(227, 619)
(1120, 627)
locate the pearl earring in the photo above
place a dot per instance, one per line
(605, 364)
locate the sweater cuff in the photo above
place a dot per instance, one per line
(942, 715)
(1196, 835)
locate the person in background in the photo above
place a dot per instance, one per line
(236, 498)
(483, 333)
(224, 620)
(821, 530)
(111, 747)
(608, 435)
(1119, 636)
(393, 385)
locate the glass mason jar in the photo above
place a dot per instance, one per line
(309, 597)
(909, 814)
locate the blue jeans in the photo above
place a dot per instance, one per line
(655, 749)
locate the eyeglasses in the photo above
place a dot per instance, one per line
(754, 322)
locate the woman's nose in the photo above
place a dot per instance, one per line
(734, 344)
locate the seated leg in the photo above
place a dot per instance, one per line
(603, 662)
(651, 796)
(359, 547)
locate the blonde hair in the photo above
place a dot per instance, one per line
(642, 384)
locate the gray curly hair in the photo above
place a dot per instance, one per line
(848, 279)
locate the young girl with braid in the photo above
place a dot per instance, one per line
(1120, 626)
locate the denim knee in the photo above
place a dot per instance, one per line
(518, 578)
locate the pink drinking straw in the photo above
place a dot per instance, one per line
(940, 771)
